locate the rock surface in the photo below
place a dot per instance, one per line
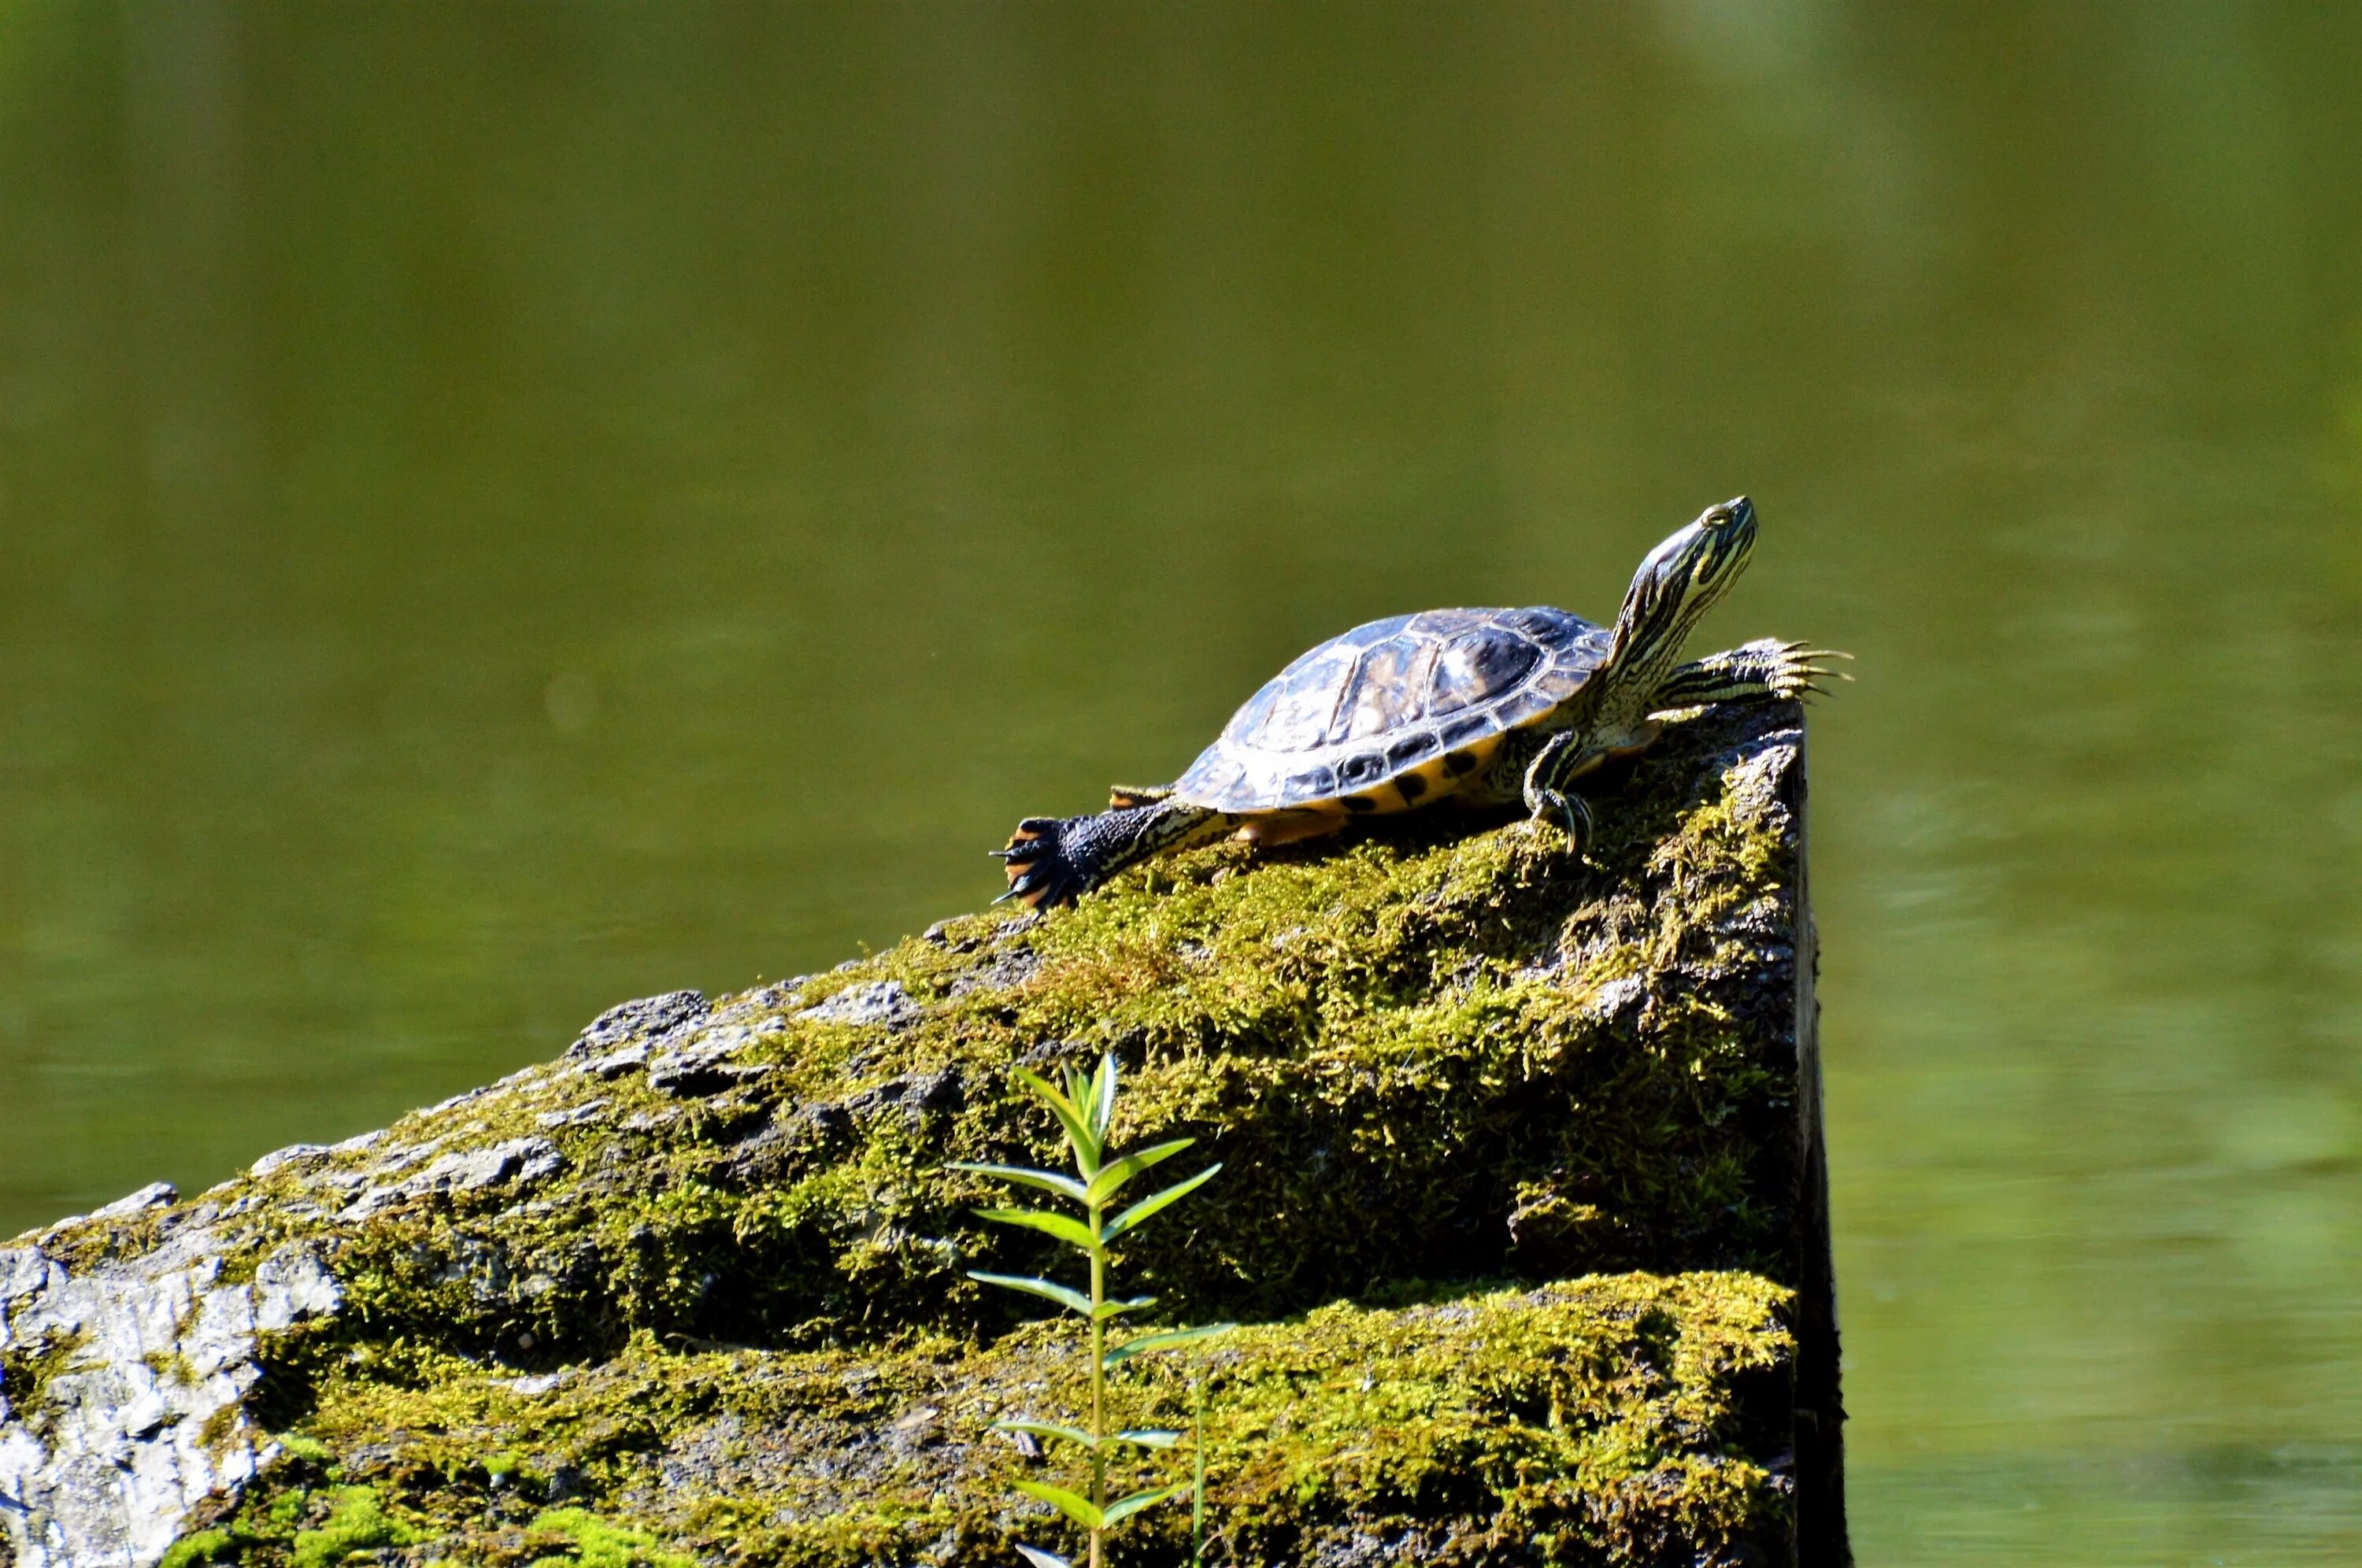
(1521, 1208)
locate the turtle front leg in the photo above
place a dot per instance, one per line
(1753, 671)
(1559, 763)
(1054, 860)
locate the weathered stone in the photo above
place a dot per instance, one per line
(615, 1064)
(709, 1065)
(519, 1162)
(870, 1002)
(293, 1155)
(155, 1195)
(1522, 1207)
(648, 1019)
(137, 1414)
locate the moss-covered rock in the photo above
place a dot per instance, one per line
(1516, 1195)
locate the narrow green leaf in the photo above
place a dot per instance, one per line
(1072, 1300)
(1118, 1308)
(1147, 1207)
(1048, 1429)
(1076, 1508)
(1111, 1178)
(1147, 1437)
(1048, 1181)
(1102, 1106)
(1173, 1339)
(1065, 1228)
(1070, 1117)
(1124, 1508)
(1040, 1559)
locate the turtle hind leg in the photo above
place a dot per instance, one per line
(1054, 860)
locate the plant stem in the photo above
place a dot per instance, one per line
(1197, 1492)
(1099, 1373)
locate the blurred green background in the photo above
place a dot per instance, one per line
(505, 508)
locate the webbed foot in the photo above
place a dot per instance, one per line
(1042, 874)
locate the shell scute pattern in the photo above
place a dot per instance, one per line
(1414, 749)
(1415, 703)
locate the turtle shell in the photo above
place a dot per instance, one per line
(1394, 713)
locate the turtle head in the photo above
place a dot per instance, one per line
(1680, 581)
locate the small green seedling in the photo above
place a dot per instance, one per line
(1085, 1110)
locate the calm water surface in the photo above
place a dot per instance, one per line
(508, 508)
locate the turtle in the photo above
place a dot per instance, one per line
(1481, 707)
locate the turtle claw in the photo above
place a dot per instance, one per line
(1573, 815)
(1797, 674)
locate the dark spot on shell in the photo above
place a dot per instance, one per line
(1460, 763)
(1357, 772)
(1411, 787)
(1360, 803)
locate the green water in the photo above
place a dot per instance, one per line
(508, 508)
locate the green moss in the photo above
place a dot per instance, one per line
(87, 1243)
(296, 1446)
(1567, 1424)
(596, 1543)
(172, 1367)
(27, 1369)
(204, 1546)
(356, 1521)
(220, 1430)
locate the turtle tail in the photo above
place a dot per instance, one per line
(1055, 860)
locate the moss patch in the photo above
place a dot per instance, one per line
(356, 1521)
(205, 1546)
(26, 1371)
(1526, 1069)
(1509, 1205)
(1616, 1418)
(594, 1542)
